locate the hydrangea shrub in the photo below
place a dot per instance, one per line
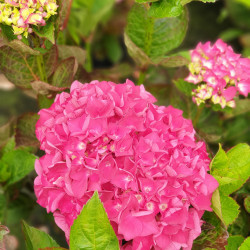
(143, 159)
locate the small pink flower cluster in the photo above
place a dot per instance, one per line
(143, 159)
(21, 14)
(221, 74)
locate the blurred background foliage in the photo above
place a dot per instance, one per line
(99, 30)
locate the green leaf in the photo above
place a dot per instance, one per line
(85, 15)
(65, 73)
(64, 12)
(8, 31)
(44, 102)
(2, 205)
(50, 60)
(184, 87)
(216, 204)
(46, 31)
(175, 60)
(229, 208)
(92, 230)
(66, 51)
(152, 38)
(22, 47)
(247, 204)
(234, 242)
(19, 164)
(25, 130)
(244, 2)
(113, 48)
(245, 245)
(18, 68)
(36, 239)
(165, 8)
(231, 169)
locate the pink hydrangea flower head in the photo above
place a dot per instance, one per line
(143, 159)
(221, 74)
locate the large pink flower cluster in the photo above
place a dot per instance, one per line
(221, 74)
(143, 159)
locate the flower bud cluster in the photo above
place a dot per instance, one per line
(22, 14)
(143, 159)
(220, 73)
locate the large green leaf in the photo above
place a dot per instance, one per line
(92, 230)
(166, 8)
(229, 208)
(85, 16)
(65, 72)
(245, 245)
(153, 37)
(36, 239)
(25, 130)
(17, 67)
(18, 164)
(231, 169)
(234, 242)
(66, 51)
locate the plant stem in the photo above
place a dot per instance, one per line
(197, 116)
(88, 65)
(142, 77)
(40, 65)
(40, 62)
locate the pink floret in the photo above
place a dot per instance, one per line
(143, 159)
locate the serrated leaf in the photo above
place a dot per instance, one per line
(36, 239)
(45, 88)
(65, 73)
(66, 51)
(46, 31)
(245, 245)
(234, 242)
(165, 8)
(18, 68)
(154, 37)
(231, 169)
(136, 53)
(92, 230)
(247, 204)
(19, 164)
(216, 204)
(25, 130)
(229, 209)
